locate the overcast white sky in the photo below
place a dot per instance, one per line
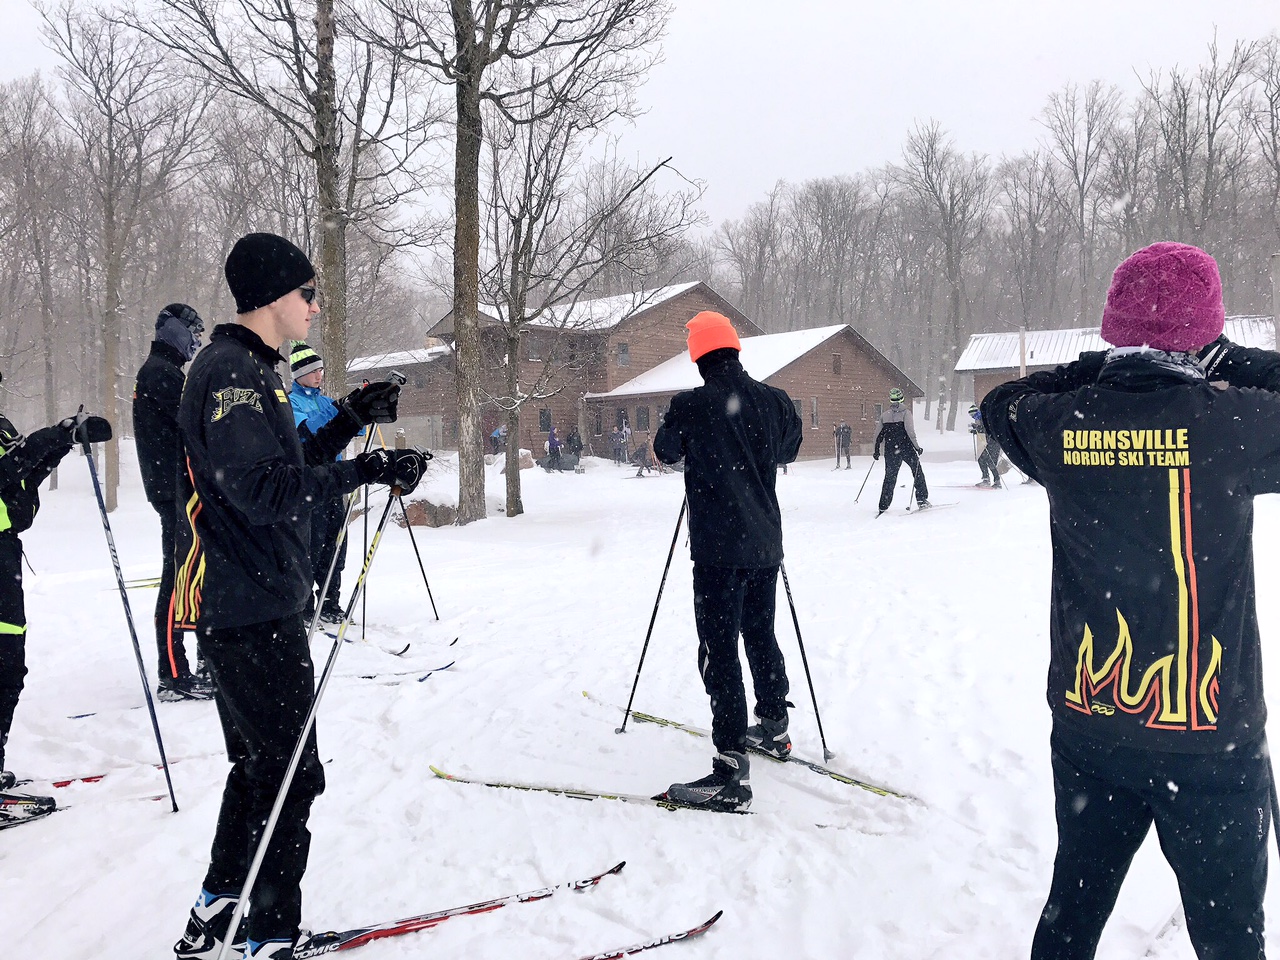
(752, 91)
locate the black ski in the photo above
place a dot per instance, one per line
(403, 676)
(661, 800)
(322, 944)
(689, 934)
(793, 758)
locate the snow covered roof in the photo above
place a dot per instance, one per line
(762, 357)
(604, 313)
(1048, 348)
(400, 359)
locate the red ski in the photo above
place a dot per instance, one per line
(689, 934)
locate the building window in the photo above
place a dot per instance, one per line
(599, 421)
(835, 364)
(533, 346)
(864, 409)
(621, 419)
(642, 418)
(813, 415)
(624, 355)
(799, 405)
(662, 415)
(879, 410)
(544, 420)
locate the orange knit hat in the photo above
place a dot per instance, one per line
(710, 331)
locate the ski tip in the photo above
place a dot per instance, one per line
(718, 915)
(438, 772)
(400, 653)
(454, 640)
(615, 870)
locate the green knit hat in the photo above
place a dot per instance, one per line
(304, 360)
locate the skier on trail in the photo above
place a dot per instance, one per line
(1155, 677)
(311, 411)
(257, 482)
(25, 462)
(898, 435)
(843, 435)
(156, 395)
(989, 455)
(732, 433)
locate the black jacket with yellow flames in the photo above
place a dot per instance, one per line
(1151, 475)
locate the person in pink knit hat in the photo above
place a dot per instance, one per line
(1155, 672)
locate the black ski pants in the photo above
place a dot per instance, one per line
(13, 633)
(894, 458)
(263, 682)
(13, 668)
(1211, 813)
(728, 601)
(988, 461)
(326, 524)
(846, 452)
(171, 653)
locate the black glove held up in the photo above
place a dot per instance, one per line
(84, 428)
(396, 468)
(373, 403)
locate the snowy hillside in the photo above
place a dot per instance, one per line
(927, 636)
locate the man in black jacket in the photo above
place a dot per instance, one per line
(257, 483)
(155, 430)
(1155, 675)
(732, 433)
(897, 434)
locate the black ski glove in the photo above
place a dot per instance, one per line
(373, 403)
(84, 428)
(396, 468)
(919, 450)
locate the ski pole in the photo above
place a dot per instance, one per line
(307, 725)
(864, 480)
(414, 540)
(826, 754)
(128, 611)
(649, 633)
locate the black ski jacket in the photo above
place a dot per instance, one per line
(156, 395)
(255, 489)
(732, 432)
(1151, 474)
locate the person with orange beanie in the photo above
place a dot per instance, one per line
(732, 433)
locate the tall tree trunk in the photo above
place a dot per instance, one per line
(515, 502)
(111, 309)
(466, 273)
(331, 231)
(40, 252)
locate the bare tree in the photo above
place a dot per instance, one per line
(349, 106)
(508, 54)
(136, 126)
(957, 192)
(1080, 124)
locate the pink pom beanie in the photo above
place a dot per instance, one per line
(1167, 296)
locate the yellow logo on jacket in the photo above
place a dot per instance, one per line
(229, 398)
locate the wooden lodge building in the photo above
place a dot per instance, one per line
(995, 358)
(623, 358)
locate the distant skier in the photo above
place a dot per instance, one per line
(1155, 673)
(732, 433)
(25, 462)
(554, 445)
(989, 455)
(897, 434)
(156, 394)
(843, 434)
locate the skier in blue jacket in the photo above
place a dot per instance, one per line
(311, 411)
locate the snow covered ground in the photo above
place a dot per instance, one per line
(927, 639)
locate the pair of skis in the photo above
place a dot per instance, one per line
(323, 944)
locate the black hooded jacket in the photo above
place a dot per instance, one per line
(732, 433)
(255, 487)
(1151, 473)
(156, 395)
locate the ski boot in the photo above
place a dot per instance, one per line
(984, 482)
(727, 788)
(330, 616)
(207, 928)
(174, 690)
(16, 808)
(923, 504)
(7, 779)
(769, 737)
(276, 949)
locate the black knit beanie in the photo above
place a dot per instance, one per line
(263, 267)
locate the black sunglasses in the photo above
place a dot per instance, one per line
(308, 293)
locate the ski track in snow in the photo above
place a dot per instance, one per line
(928, 644)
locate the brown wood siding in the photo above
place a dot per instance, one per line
(988, 380)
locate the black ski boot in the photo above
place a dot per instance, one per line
(769, 737)
(184, 688)
(7, 779)
(16, 808)
(207, 928)
(727, 788)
